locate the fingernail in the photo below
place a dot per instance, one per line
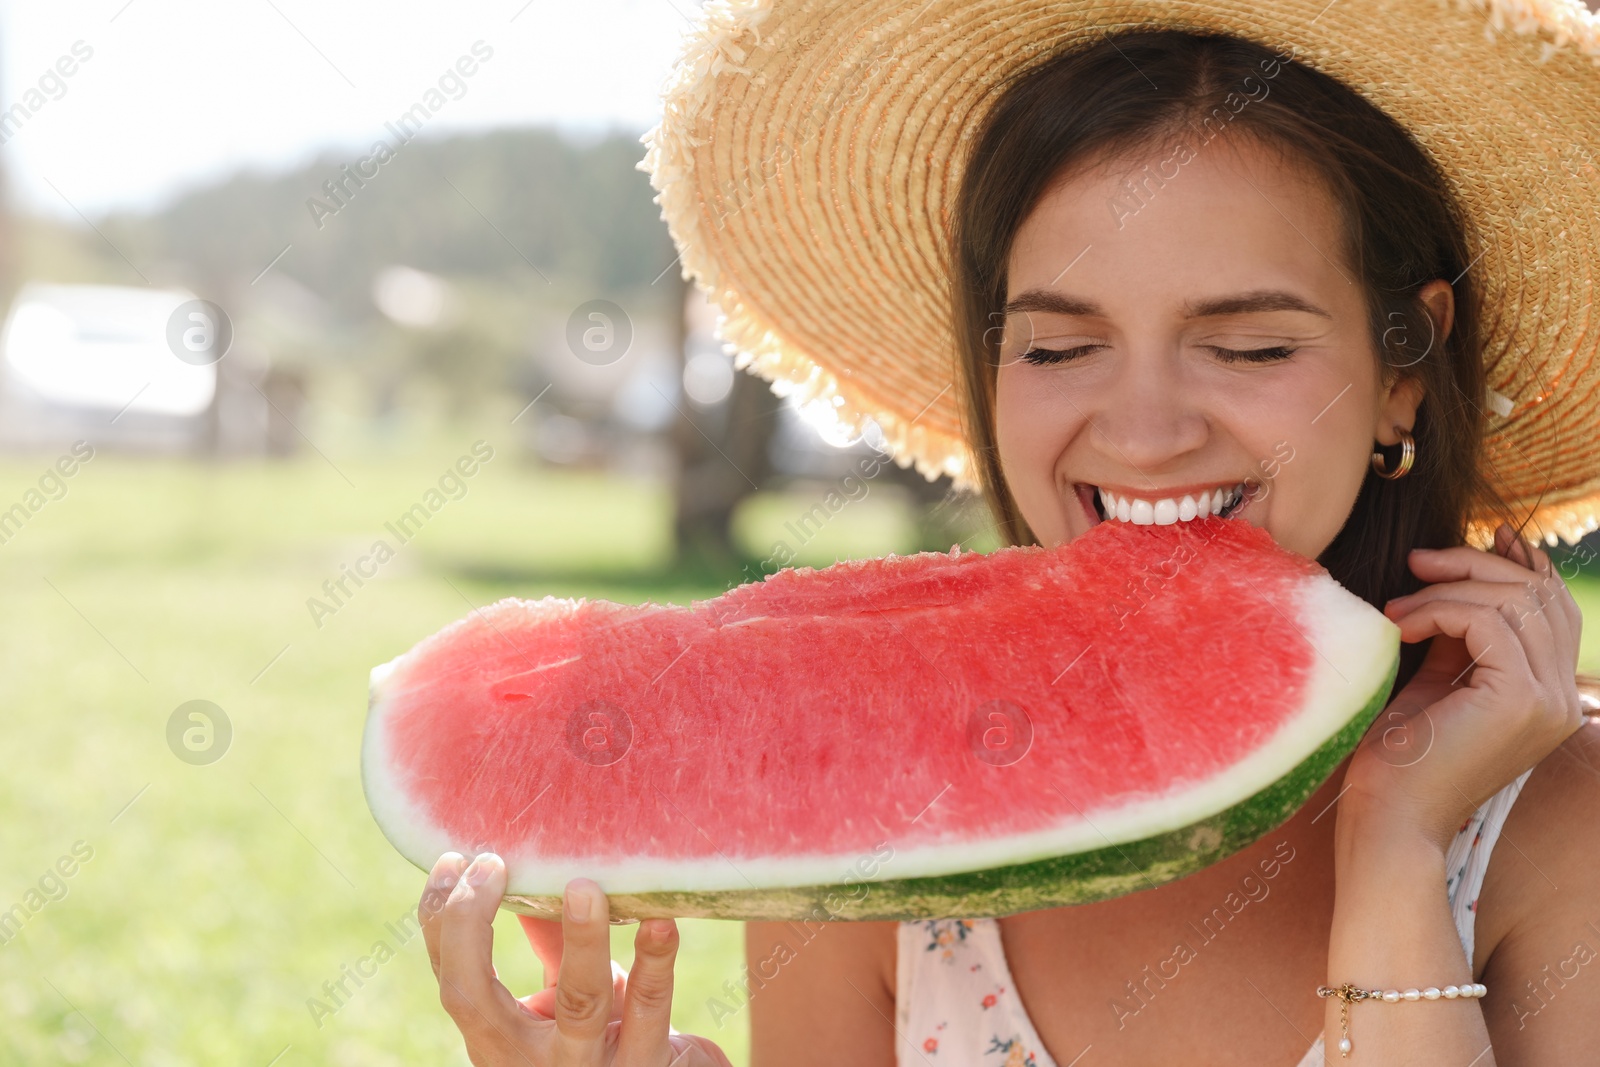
(660, 930)
(446, 876)
(578, 904)
(481, 868)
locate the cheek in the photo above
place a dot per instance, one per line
(1033, 428)
(1030, 428)
(1317, 488)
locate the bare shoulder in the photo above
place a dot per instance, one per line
(821, 992)
(1550, 846)
(1538, 948)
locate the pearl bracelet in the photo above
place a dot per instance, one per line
(1349, 994)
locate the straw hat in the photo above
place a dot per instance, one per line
(809, 152)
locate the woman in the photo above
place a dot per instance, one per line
(1189, 271)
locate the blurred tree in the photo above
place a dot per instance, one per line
(723, 453)
(529, 204)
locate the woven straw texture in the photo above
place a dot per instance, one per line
(809, 151)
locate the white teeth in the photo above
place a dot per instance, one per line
(1168, 510)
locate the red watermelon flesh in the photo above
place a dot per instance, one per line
(985, 729)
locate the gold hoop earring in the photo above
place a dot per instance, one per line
(1408, 455)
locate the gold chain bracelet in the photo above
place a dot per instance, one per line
(1349, 994)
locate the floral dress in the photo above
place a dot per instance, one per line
(957, 1006)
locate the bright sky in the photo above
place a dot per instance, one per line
(174, 93)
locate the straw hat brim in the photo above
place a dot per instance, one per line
(809, 153)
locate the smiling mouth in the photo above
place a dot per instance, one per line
(1224, 501)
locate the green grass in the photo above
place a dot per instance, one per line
(223, 897)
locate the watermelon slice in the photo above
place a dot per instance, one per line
(911, 737)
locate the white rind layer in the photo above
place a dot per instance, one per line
(1354, 647)
(402, 821)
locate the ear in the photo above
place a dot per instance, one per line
(1440, 300)
(1398, 409)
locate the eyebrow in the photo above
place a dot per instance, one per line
(1256, 300)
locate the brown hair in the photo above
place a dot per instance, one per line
(1135, 90)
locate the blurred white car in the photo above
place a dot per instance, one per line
(111, 364)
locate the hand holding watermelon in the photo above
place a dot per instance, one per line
(593, 1013)
(1494, 696)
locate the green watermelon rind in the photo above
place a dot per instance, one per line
(1082, 878)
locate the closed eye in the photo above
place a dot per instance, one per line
(1049, 356)
(1253, 355)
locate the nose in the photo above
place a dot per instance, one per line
(1145, 415)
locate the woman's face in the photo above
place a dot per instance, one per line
(1162, 355)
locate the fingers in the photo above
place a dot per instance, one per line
(1520, 550)
(1541, 628)
(1498, 664)
(484, 1010)
(543, 1003)
(430, 909)
(1531, 713)
(1519, 600)
(1463, 562)
(1513, 561)
(1485, 632)
(545, 937)
(584, 987)
(1550, 584)
(647, 1008)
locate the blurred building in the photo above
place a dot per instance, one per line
(149, 370)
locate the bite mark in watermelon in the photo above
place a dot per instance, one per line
(911, 737)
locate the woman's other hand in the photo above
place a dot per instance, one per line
(1493, 697)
